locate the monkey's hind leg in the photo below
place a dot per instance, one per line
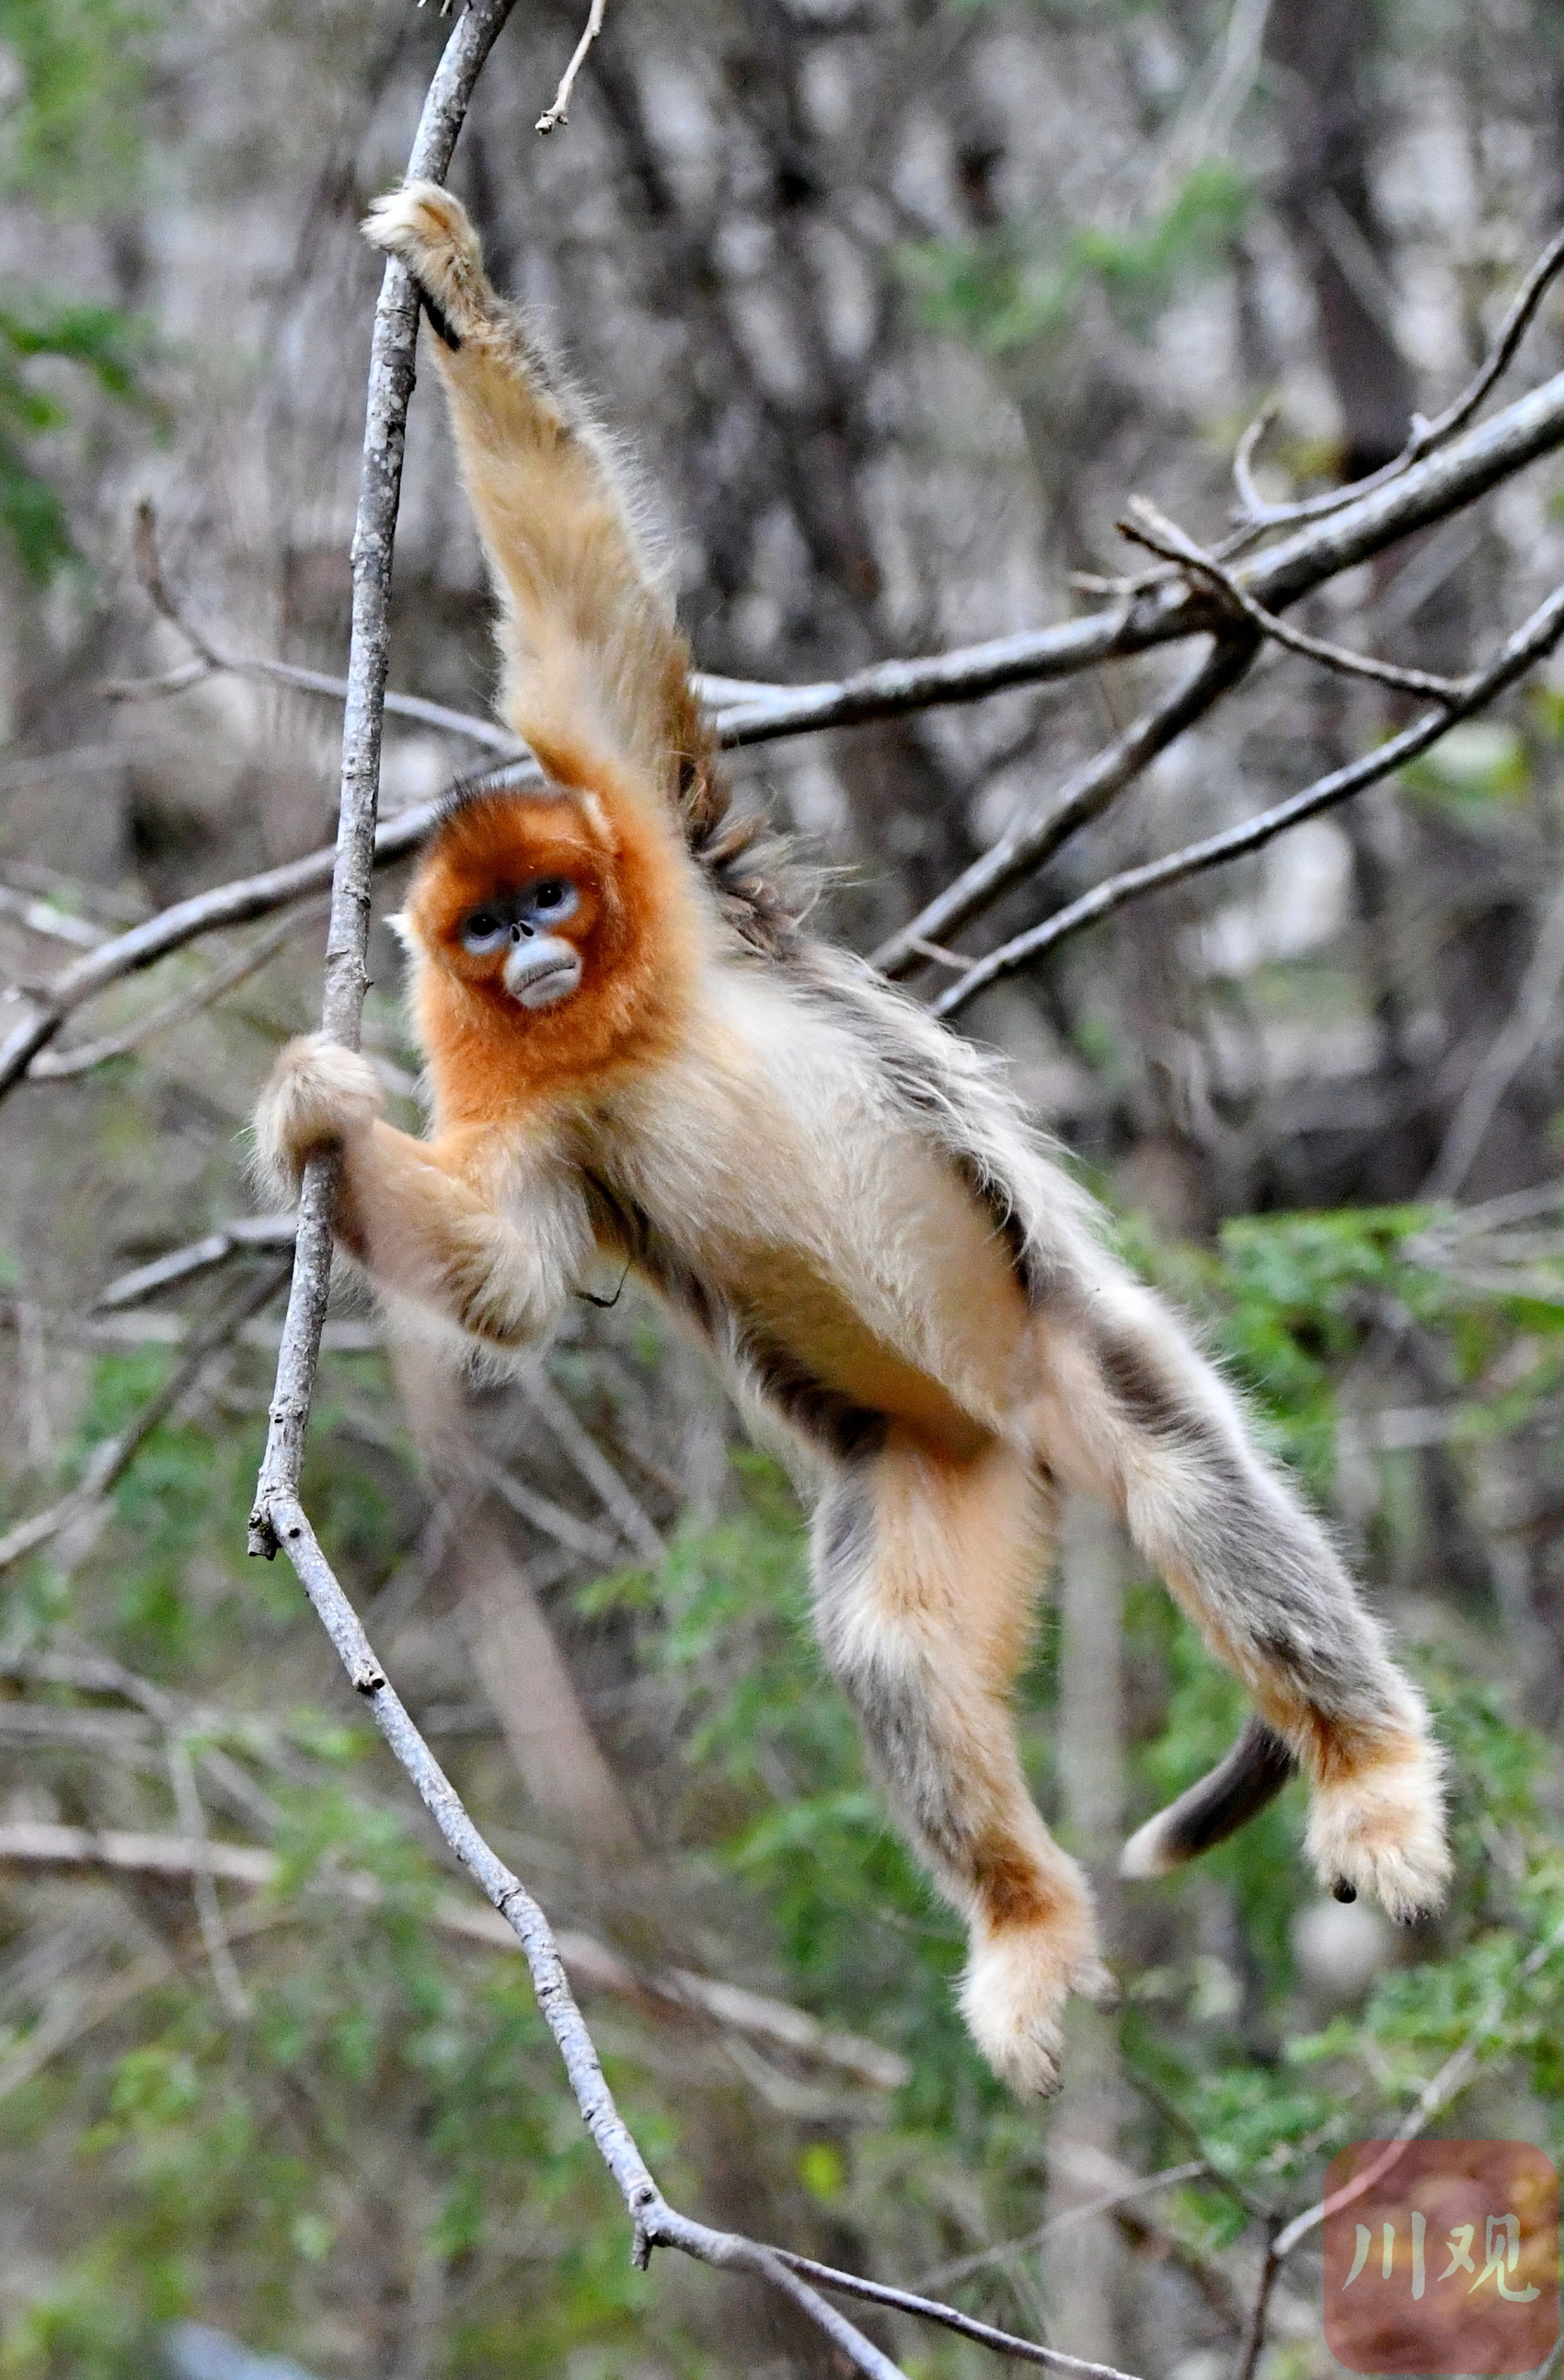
(1135, 1414)
(926, 1568)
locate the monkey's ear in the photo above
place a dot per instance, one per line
(401, 927)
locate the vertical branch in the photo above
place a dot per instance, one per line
(380, 488)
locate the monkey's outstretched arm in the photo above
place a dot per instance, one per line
(416, 1213)
(593, 657)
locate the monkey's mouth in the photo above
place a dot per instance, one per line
(542, 974)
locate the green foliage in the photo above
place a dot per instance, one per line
(1011, 289)
(71, 134)
(108, 348)
(1477, 764)
(207, 2155)
(71, 138)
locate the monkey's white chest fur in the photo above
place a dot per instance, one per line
(773, 1157)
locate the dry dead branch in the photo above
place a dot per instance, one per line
(1531, 643)
(558, 113)
(593, 1968)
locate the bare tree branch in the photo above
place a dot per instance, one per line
(621, 1505)
(590, 1964)
(1531, 643)
(59, 1065)
(1034, 840)
(236, 1238)
(1442, 483)
(211, 661)
(1255, 514)
(558, 113)
(1148, 527)
(656, 2223)
(208, 1909)
(112, 1457)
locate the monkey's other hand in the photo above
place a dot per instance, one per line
(320, 1096)
(428, 232)
(1381, 1830)
(1013, 1996)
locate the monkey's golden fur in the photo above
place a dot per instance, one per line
(844, 1200)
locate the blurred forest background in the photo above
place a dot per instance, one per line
(899, 299)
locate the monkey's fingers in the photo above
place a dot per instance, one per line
(429, 232)
(318, 1095)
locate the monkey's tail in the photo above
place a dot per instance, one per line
(1237, 1789)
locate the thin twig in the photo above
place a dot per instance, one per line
(558, 113)
(240, 1237)
(1036, 837)
(1148, 527)
(1426, 436)
(657, 2224)
(593, 1968)
(583, 1539)
(964, 2267)
(43, 917)
(203, 1884)
(1254, 2334)
(389, 391)
(112, 1457)
(1530, 644)
(211, 661)
(58, 1065)
(619, 1502)
(966, 2325)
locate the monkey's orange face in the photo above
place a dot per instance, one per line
(514, 896)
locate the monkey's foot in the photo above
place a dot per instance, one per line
(1014, 1993)
(428, 232)
(319, 1095)
(1381, 1830)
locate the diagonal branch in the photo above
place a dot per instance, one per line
(112, 1457)
(1428, 492)
(1530, 644)
(211, 661)
(59, 1065)
(1152, 529)
(559, 112)
(1255, 514)
(1035, 839)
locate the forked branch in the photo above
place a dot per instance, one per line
(1531, 643)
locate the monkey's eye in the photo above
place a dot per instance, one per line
(551, 899)
(484, 931)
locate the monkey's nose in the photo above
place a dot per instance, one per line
(522, 932)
